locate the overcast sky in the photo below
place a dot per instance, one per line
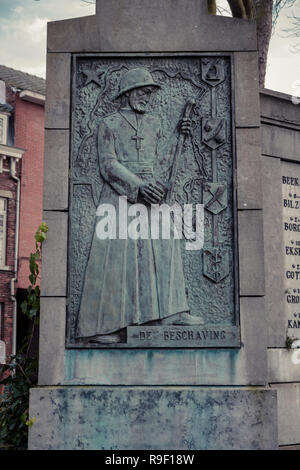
(23, 38)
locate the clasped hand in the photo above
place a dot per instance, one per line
(151, 192)
(185, 126)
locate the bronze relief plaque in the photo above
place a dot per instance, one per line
(152, 251)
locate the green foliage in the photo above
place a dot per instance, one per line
(14, 403)
(21, 373)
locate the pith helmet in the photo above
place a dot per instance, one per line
(136, 78)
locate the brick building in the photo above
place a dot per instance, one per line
(22, 98)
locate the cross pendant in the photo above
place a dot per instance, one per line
(138, 140)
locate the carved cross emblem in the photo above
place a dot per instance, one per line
(138, 139)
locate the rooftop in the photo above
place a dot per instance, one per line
(22, 80)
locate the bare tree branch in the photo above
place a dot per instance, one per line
(249, 9)
(280, 5)
(295, 29)
(223, 11)
(263, 16)
(237, 8)
(212, 7)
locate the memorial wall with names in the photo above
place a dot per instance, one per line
(291, 248)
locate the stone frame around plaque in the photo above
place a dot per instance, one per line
(212, 335)
(153, 366)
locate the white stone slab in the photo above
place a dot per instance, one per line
(291, 246)
(2, 352)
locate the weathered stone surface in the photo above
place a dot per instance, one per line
(58, 91)
(152, 418)
(280, 142)
(283, 365)
(187, 337)
(54, 278)
(247, 106)
(288, 396)
(56, 169)
(52, 340)
(279, 106)
(251, 253)
(253, 361)
(248, 151)
(245, 366)
(140, 25)
(273, 248)
(148, 416)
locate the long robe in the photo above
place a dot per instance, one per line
(129, 282)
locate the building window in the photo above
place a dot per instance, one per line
(3, 217)
(3, 128)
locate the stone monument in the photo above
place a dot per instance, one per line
(146, 121)
(280, 119)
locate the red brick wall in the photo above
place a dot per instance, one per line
(29, 135)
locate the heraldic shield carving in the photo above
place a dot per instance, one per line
(213, 72)
(216, 264)
(215, 197)
(214, 132)
(147, 132)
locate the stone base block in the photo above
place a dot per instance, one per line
(160, 418)
(288, 413)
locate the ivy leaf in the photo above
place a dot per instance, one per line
(24, 306)
(3, 369)
(44, 227)
(31, 421)
(32, 279)
(32, 312)
(40, 237)
(23, 418)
